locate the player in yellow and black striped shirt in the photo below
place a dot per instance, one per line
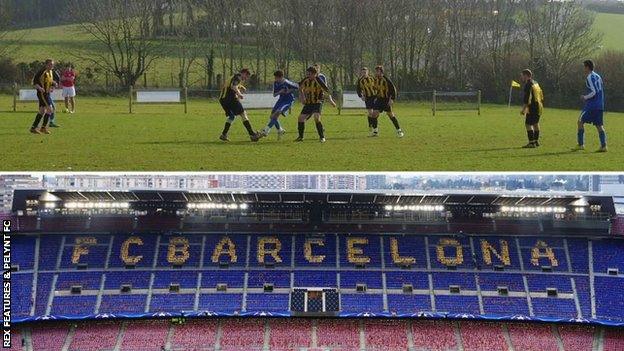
(532, 108)
(386, 94)
(229, 99)
(43, 81)
(366, 90)
(312, 91)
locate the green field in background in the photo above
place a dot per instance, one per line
(64, 42)
(612, 27)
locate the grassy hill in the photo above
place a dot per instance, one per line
(63, 42)
(612, 26)
(66, 42)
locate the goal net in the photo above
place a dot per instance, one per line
(456, 101)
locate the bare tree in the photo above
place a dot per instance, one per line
(5, 18)
(567, 36)
(123, 30)
(188, 44)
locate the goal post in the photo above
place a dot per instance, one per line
(456, 101)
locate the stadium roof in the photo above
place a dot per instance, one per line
(401, 198)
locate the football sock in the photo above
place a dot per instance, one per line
(277, 125)
(375, 123)
(301, 129)
(271, 124)
(370, 122)
(536, 133)
(603, 138)
(319, 129)
(580, 137)
(248, 127)
(37, 120)
(395, 121)
(530, 136)
(46, 118)
(226, 128)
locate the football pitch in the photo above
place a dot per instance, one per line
(102, 136)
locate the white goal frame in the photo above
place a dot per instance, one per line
(436, 94)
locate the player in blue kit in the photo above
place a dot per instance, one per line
(593, 112)
(285, 89)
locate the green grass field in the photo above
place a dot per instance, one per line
(612, 27)
(102, 136)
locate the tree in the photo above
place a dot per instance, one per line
(122, 29)
(187, 43)
(566, 37)
(5, 17)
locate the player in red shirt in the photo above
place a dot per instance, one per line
(68, 81)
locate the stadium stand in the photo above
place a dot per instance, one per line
(230, 288)
(338, 334)
(49, 337)
(483, 337)
(109, 285)
(533, 337)
(613, 340)
(386, 334)
(238, 334)
(287, 334)
(242, 334)
(434, 335)
(194, 335)
(145, 335)
(576, 338)
(84, 340)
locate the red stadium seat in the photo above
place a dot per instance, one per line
(386, 334)
(242, 334)
(49, 336)
(577, 338)
(532, 337)
(477, 336)
(613, 340)
(194, 335)
(290, 334)
(434, 335)
(145, 335)
(91, 336)
(338, 334)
